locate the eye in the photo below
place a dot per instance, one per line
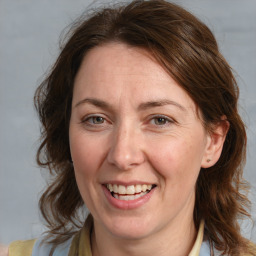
(94, 120)
(161, 120)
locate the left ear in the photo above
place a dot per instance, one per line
(215, 141)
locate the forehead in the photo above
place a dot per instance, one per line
(117, 70)
(117, 59)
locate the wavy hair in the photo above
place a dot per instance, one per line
(188, 51)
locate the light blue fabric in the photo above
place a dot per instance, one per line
(205, 249)
(63, 249)
(44, 248)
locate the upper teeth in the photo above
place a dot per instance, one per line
(128, 190)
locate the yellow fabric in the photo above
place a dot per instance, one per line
(81, 244)
(197, 245)
(21, 248)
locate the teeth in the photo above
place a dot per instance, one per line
(129, 197)
(128, 190)
(144, 188)
(110, 187)
(115, 188)
(138, 188)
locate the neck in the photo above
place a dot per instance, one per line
(174, 239)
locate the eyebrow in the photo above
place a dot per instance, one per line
(160, 103)
(143, 106)
(95, 102)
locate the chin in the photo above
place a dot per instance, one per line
(130, 228)
(131, 234)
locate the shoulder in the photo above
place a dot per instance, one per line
(36, 247)
(42, 248)
(21, 248)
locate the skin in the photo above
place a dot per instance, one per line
(3, 250)
(129, 139)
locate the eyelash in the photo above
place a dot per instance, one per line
(89, 120)
(167, 120)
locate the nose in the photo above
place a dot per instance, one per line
(126, 149)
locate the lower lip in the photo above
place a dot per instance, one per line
(130, 204)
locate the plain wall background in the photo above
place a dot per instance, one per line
(29, 34)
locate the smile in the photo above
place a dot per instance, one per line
(130, 192)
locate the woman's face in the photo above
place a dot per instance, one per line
(136, 142)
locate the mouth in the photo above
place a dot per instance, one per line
(131, 192)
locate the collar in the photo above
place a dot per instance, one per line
(81, 244)
(198, 243)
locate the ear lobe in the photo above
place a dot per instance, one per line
(215, 141)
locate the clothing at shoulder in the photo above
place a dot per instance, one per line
(77, 245)
(21, 248)
(80, 245)
(37, 248)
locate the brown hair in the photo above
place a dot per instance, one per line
(189, 52)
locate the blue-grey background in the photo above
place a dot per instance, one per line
(29, 34)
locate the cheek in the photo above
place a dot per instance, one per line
(177, 160)
(83, 153)
(85, 156)
(86, 153)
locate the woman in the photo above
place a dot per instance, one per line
(140, 124)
